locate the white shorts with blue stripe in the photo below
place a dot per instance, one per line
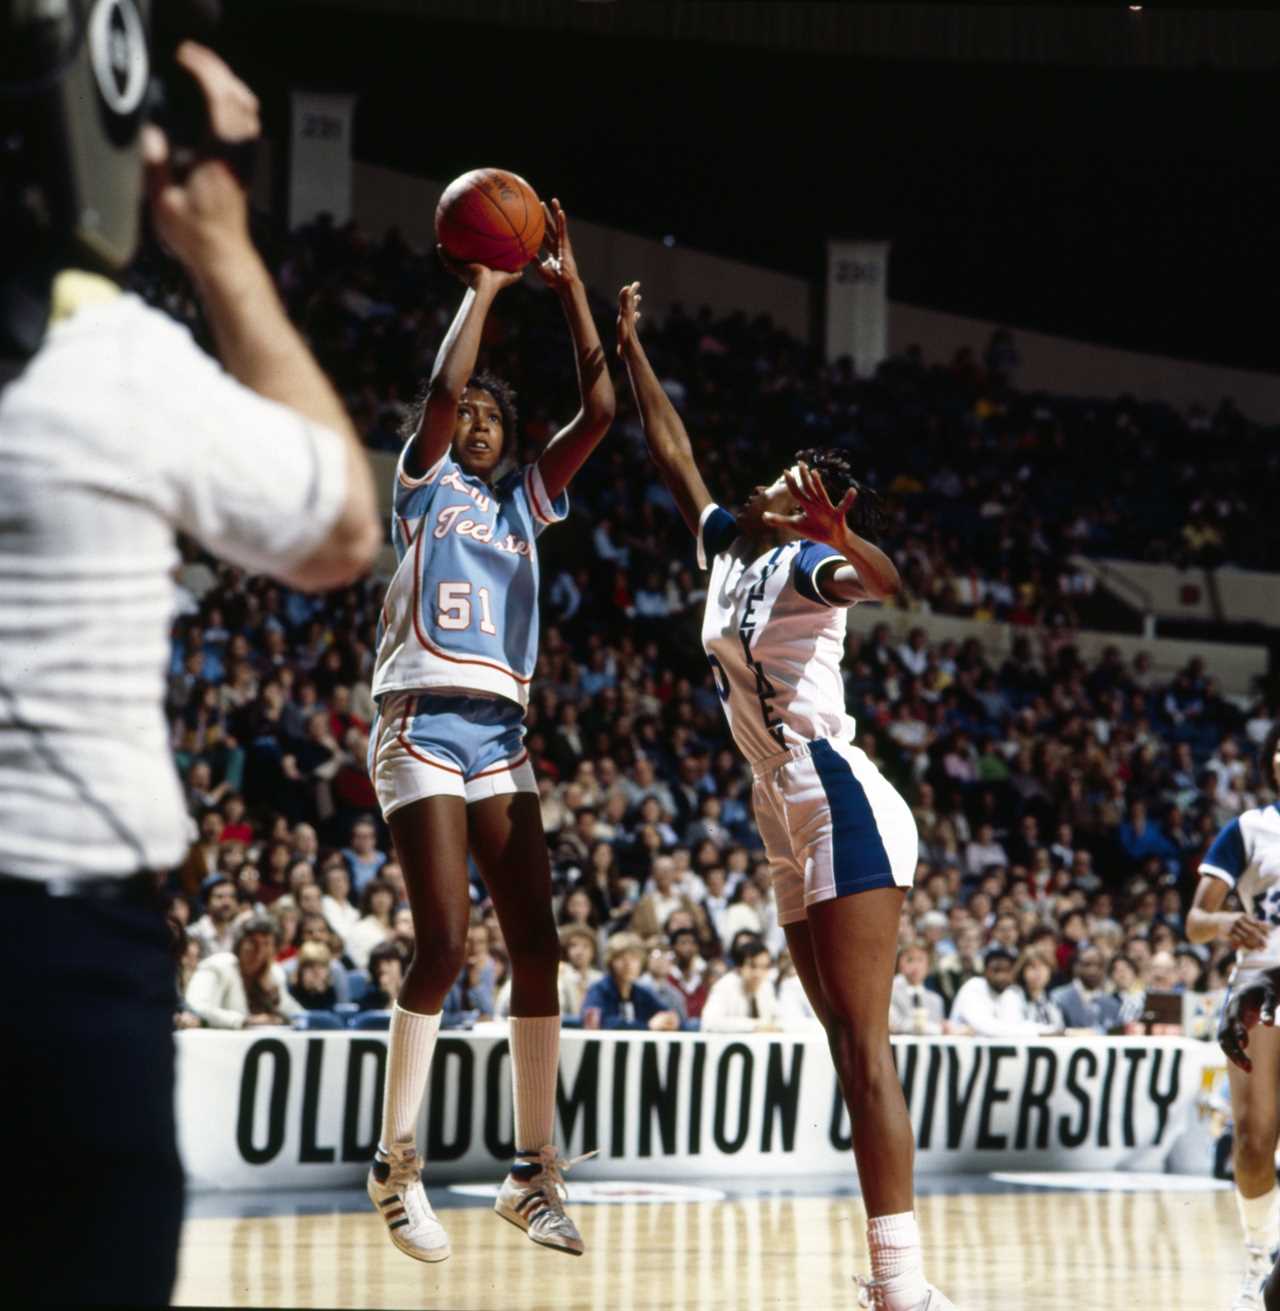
(832, 825)
(432, 744)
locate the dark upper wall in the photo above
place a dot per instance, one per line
(1131, 206)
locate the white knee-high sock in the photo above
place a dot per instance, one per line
(535, 1058)
(897, 1263)
(1260, 1218)
(413, 1040)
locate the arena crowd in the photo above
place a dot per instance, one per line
(1062, 806)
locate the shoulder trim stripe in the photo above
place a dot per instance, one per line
(427, 478)
(1214, 872)
(531, 491)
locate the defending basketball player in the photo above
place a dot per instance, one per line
(457, 643)
(1245, 857)
(841, 841)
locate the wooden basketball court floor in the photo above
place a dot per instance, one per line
(990, 1246)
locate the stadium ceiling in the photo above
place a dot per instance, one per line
(1110, 36)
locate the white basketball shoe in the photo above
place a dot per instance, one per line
(1257, 1266)
(532, 1198)
(871, 1293)
(395, 1189)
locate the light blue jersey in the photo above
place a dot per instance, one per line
(462, 607)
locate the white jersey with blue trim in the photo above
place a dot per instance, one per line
(774, 642)
(462, 607)
(1246, 856)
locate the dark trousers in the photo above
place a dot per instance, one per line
(89, 1139)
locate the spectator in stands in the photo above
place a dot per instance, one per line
(1031, 976)
(312, 984)
(336, 902)
(743, 1000)
(1083, 1003)
(1127, 989)
(913, 1006)
(659, 963)
(578, 970)
(386, 974)
(374, 926)
(618, 1000)
(362, 858)
(288, 921)
(215, 930)
(653, 910)
(960, 966)
(688, 970)
(244, 988)
(990, 1006)
(315, 930)
(984, 851)
(475, 992)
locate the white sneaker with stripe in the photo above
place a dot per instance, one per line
(395, 1189)
(535, 1201)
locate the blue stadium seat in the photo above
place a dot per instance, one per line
(357, 984)
(371, 1020)
(318, 1020)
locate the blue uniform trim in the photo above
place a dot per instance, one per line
(809, 559)
(858, 857)
(719, 531)
(1227, 852)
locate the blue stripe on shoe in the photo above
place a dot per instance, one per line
(858, 857)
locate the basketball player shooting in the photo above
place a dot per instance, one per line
(456, 649)
(841, 842)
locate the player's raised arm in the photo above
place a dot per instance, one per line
(664, 430)
(455, 363)
(569, 448)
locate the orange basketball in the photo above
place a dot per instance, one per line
(491, 217)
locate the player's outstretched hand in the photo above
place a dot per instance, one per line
(628, 316)
(478, 275)
(1244, 1009)
(557, 267)
(815, 516)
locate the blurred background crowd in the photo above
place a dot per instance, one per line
(1062, 805)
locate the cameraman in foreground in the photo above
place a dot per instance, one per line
(116, 432)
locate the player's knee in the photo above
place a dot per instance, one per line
(438, 958)
(534, 950)
(1253, 1147)
(861, 1051)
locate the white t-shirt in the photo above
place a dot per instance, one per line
(120, 432)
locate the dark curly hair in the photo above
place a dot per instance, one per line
(502, 392)
(868, 517)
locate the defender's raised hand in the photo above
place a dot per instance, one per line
(815, 516)
(628, 315)
(557, 268)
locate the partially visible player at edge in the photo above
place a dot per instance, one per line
(457, 643)
(841, 842)
(1245, 857)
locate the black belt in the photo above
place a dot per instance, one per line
(138, 887)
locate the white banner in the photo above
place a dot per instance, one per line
(320, 156)
(290, 1109)
(297, 1110)
(858, 303)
